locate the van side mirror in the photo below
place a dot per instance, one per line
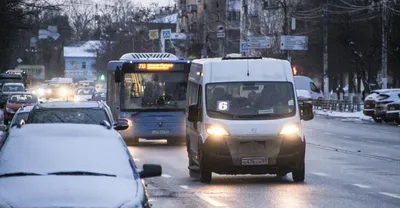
(194, 113)
(118, 75)
(306, 111)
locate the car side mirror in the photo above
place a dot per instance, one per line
(118, 75)
(3, 127)
(306, 111)
(194, 113)
(150, 170)
(122, 124)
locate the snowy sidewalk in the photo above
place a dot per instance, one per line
(352, 116)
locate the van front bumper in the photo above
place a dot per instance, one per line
(223, 155)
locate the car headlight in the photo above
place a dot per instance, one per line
(49, 91)
(290, 129)
(63, 92)
(216, 130)
(76, 99)
(34, 92)
(10, 110)
(40, 92)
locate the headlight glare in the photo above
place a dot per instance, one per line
(216, 130)
(76, 99)
(9, 110)
(49, 91)
(290, 129)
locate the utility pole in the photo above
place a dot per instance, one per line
(325, 59)
(286, 30)
(384, 44)
(243, 22)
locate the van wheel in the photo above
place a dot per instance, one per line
(299, 174)
(205, 175)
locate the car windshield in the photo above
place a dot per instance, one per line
(75, 115)
(19, 117)
(22, 98)
(84, 91)
(13, 88)
(249, 100)
(154, 90)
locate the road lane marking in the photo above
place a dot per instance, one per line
(327, 133)
(347, 137)
(211, 201)
(166, 176)
(319, 174)
(184, 187)
(390, 194)
(361, 186)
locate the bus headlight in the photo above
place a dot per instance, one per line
(216, 130)
(290, 129)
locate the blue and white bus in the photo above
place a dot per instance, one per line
(149, 90)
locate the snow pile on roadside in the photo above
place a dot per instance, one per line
(345, 115)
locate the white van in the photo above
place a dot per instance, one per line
(306, 83)
(244, 118)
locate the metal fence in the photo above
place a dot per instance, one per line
(338, 105)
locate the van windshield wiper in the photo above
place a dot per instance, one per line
(16, 174)
(81, 173)
(222, 113)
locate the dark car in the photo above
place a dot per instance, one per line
(86, 112)
(57, 165)
(16, 101)
(97, 96)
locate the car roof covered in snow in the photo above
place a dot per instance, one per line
(48, 148)
(71, 104)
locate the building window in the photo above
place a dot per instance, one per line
(83, 65)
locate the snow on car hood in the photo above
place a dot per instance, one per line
(69, 191)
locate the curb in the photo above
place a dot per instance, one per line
(351, 117)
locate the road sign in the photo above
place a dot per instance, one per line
(244, 47)
(33, 42)
(166, 34)
(261, 42)
(221, 35)
(19, 60)
(220, 29)
(153, 34)
(294, 43)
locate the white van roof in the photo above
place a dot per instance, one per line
(240, 69)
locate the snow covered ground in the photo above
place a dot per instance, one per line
(351, 116)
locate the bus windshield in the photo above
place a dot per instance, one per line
(154, 90)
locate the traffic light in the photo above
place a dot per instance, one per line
(294, 69)
(102, 77)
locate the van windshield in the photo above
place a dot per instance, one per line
(250, 100)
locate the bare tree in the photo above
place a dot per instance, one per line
(82, 14)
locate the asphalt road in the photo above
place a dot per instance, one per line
(347, 165)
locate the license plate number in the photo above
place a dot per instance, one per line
(160, 132)
(255, 161)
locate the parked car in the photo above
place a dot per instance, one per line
(306, 83)
(9, 88)
(70, 165)
(15, 101)
(393, 111)
(75, 112)
(381, 104)
(369, 102)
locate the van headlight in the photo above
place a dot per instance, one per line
(216, 130)
(290, 129)
(40, 92)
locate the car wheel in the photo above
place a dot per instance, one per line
(377, 120)
(299, 174)
(205, 175)
(397, 121)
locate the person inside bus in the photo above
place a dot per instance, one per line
(180, 92)
(152, 92)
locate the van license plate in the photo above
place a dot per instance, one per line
(255, 161)
(160, 132)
